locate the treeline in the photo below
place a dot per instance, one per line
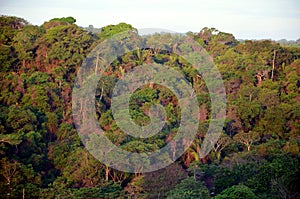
(42, 156)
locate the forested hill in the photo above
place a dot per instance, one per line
(42, 156)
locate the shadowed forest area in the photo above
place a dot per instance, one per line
(42, 156)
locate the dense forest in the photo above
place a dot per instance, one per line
(41, 153)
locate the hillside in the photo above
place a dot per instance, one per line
(42, 155)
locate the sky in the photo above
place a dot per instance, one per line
(255, 19)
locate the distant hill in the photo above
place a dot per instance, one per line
(285, 42)
(92, 29)
(282, 42)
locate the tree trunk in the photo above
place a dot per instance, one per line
(23, 63)
(96, 67)
(106, 173)
(248, 147)
(9, 187)
(273, 65)
(101, 95)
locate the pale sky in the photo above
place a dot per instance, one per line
(251, 19)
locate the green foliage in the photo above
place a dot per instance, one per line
(276, 168)
(227, 177)
(140, 147)
(157, 183)
(20, 120)
(189, 188)
(24, 42)
(9, 27)
(236, 192)
(7, 58)
(69, 20)
(41, 152)
(115, 29)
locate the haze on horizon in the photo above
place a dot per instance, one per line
(269, 19)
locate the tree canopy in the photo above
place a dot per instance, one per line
(42, 156)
